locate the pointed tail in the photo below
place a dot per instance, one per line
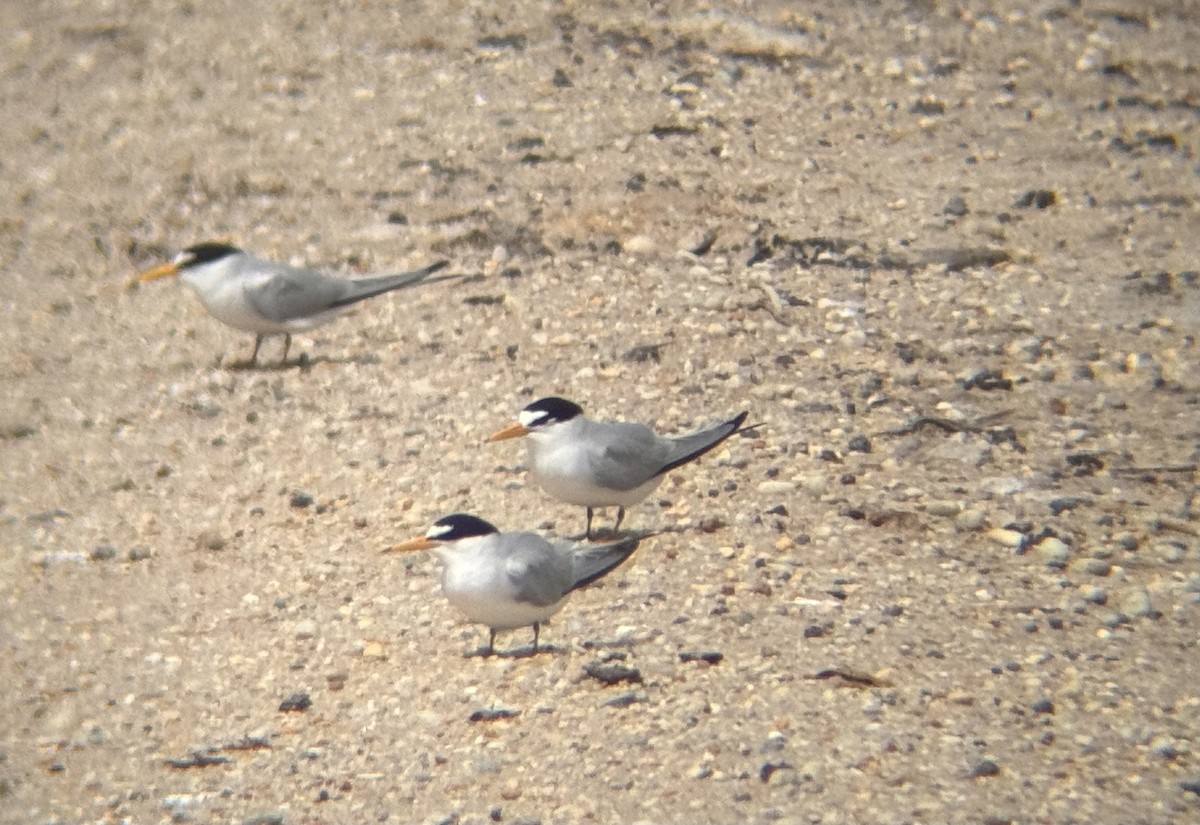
(594, 561)
(689, 447)
(370, 287)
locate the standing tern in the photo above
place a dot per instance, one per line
(270, 298)
(603, 464)
(511, 580)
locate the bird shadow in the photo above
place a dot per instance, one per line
(303, 362)
(526, 652)
(610, 535)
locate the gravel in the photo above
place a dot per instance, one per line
(945, 255)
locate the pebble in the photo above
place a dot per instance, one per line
(1137, 603)
(1165, 748)
(776, 486)
(306, 629)
(946, 509)
(267, 818)
(296, 703)
(210, 540)
(1171, 552)
(639, 245)
(1042, 706)
(103, 553)
(1005, 537)
(970, 520)
(1126, 541)
(955, 207)
(984, 768)
(1113, 619)
(1054, 552)
(859, 444)
(612, 674)
(1094, 594)
(1096, 567)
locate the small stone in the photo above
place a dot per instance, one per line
(945, 509)
(1165, 748)
(139, 553)
(1039, 198)
(1058, 506)
(955, 207)
(1042, 706)
(612, 674)
(103, 553)
(699, 241)
(1172, 552)
(493, 714)
(300, 499)
(1113, 619)
(268, 818)
(296, 703)
(1006, 538)
(970, 520)
(639, 245)
(1094, 594)
(373, 650)
(1127, 541)
(859, 444)
(775, 486)
(306, 629)
(210, 540)
(1137, 603)
(984, 768)
(1097, 567)
(1054, 552)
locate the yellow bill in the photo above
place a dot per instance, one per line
(422, 543)
(164, 271)
(515, 430)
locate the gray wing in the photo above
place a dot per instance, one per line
(287, 293)
(685, 448)
(593, 561)
(539, 573)
(624, 456)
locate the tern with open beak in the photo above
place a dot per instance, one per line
(603, 464)
(270, 298)
(511, 580)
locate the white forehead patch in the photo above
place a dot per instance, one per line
(438, 530)
(529, 418)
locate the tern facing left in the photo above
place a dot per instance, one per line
(270, 298)
(511, 580)
(600, 463)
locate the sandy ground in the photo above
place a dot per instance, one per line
(945, 253)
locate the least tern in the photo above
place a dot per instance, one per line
(603, 464)
(511, 580)
(270, 298)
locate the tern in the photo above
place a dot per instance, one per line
(511, 580)
(270, 298)
(604, 464)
